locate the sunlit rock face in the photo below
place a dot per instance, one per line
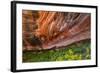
(49, 30)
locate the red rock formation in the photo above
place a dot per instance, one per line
(55, 29)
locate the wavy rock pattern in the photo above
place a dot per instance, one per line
(48, 30)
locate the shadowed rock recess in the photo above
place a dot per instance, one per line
(49, 30)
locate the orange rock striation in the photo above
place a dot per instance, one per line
(48, 30)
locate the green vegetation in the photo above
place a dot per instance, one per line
(77, 51)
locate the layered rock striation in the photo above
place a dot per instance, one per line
(48, 30)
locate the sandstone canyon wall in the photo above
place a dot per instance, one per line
(48, 30)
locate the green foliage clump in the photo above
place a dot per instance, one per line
(77, 51)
